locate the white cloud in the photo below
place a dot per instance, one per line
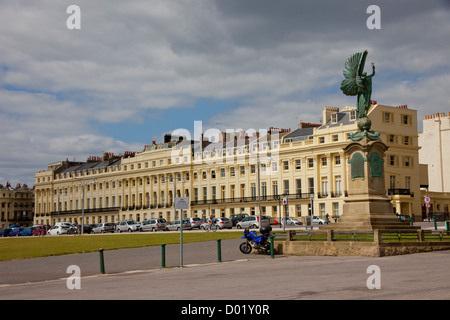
(279, 62)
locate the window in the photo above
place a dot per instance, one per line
(407, 182)
(391, 138)
(242, 170)
(353, 115)
(253, 190)
(298, 184)
(406, 161)
(213, 174)
(205, 193)
(275, 188)
(264, 190)
(337, 160)
(274, 166)
(324, 186)
(388, 117)
(392, 160)
(252, 168)
(311, 185)
(321, 139)
(232, 171)
(335, 138)
(310, 163)
(406, 119)
(299, 210)
(298, 164)
(391, 182)
(338, 185)
(406, 141)
(222, 172)
(214, 192)
(285, 165)
(335, 209)
(324, 161)
(286, 186)
(334, 118)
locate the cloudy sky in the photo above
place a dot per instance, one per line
(138, 69)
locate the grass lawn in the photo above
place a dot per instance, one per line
(31, 247)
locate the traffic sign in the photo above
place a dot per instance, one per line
(427, 199)
(427, 205)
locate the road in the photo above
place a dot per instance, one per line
(137, 274)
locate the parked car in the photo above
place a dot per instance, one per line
(28, 231)
(252, 222)
(271, 220)
(40, 230)
(318, 220)
(175, 225)
(87, 228)
(103, 227)
(58, 230)
(127, 225)
(195, 222)
(15, 232)
(153, 225)
(235, 218)
(4, 232)
(291, 221)
(223, 223)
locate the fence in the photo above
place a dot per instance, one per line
(364, 236)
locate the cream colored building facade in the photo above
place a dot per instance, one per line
(221, 178)
(16, 205)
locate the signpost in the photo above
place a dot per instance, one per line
(181, 203)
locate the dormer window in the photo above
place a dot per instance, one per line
(353, 115)
(334, 118)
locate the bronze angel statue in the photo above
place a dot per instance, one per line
(357, 82)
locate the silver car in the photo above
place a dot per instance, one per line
(223, 223)
(127, 225)
(252, 222)
(195, 222)
(103, 227)
(153, 225)
(175, 225)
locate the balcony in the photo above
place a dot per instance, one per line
(400, 192)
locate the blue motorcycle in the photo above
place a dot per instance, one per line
(255, 241)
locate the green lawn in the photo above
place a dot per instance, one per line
(31, 247)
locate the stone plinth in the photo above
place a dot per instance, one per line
(367, 206)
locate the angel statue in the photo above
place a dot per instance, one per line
(357, 82)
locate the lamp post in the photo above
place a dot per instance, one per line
(258, 163)
(174, 180)
(83, 185)
(311, 197)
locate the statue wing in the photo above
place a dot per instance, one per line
(353, 69)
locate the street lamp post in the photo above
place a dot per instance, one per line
(175, 214)
(83, 185)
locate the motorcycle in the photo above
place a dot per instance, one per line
(255, 241)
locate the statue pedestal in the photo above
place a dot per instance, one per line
(367, 207)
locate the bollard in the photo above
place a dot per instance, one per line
(447, 227)
(219, 251)
(435, 225)
(102, 262)
(163, 255)
(271, 247)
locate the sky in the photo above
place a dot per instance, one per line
(136, 70)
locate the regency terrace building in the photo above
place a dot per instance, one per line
(219, 173)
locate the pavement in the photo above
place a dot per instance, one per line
(136, 274)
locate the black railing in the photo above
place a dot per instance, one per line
(90, 210)
(402, 192)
